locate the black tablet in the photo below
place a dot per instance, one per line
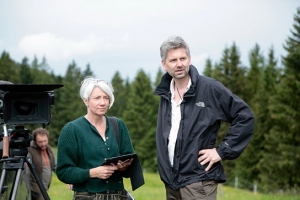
(115, 160)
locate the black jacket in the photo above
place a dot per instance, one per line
(204, 106)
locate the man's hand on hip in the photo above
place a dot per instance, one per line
(210, 156)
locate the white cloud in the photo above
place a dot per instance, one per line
(59, 48)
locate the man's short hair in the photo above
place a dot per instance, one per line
(39, 131)
(173, 42)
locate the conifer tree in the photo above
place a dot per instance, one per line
(224, 68)
(254, 76)
(230, 72)
(208, 71)
(121, 96)
(159, 74)
(87, 72)
(270, 77)
(25, 72)
(236, 73)
(8, 69)
(281, 160)
(255, 87)
(70, 104)
(217, 71)
(41, 72)
(140, 118)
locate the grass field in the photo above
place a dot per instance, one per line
(154, 190)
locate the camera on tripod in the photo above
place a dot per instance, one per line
(25, 104)
(21, 105)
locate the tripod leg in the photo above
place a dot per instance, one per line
(16, 185)
(3, 174)
(16, 166)
(37, 178)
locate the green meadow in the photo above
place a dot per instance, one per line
(153, 189)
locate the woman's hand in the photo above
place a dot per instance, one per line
(103, 172)
(123, 165)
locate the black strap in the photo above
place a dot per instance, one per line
(135, 171)
(114, 123)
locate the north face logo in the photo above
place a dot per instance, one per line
(200, 104)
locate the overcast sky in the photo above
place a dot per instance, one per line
(125, 35)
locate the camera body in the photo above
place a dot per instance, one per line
(27, 104)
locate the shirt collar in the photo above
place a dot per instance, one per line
(172, 86)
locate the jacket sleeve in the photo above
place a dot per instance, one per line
(235, 111)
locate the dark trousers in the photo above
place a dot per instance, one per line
(203, 190)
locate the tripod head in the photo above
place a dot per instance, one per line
(19, 141)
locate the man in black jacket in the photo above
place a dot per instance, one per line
(190, 112)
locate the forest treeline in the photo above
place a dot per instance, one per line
(270, 88)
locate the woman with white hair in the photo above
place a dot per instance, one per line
(85, 143)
